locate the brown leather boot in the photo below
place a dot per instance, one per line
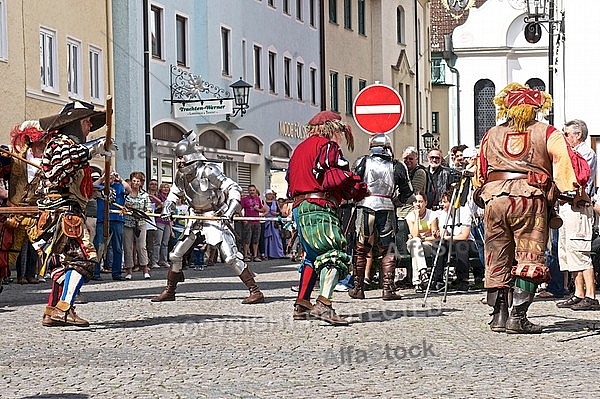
(498, 298)
(324, 311)
(388, 268)
(46, 320)
(302, 309)
(168, 293)
(255, 295)
(63, 314)
(358, 272)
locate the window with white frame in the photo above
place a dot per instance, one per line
(182, 29)
(3, 32)
(257, 67)
(287, 64)
(333, 87)
(313, 86)
(225, 51)
(272, 72)
(156, 31)
(300, 80)
(286, 7)
(74, 69)
(48, 60)
(299, 6)
(96, 75)
(312, 10)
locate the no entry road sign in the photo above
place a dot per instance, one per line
(378, 109)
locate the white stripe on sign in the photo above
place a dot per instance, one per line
(378, 109)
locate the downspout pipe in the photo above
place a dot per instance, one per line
(417, 85)
(455, 71)
(147, 124)
(323, 64)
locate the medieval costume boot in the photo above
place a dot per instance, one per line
(517, 322)
(388, 268)
(323, 310)
(498, 298)
(63, 314)
(168, 293)
(302, 309)
(255, 295)
(359, 265)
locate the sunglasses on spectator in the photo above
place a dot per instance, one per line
(409, 158)
(434, 158)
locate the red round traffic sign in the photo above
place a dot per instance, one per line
(378, 109)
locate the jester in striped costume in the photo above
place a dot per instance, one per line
(319, 178)
(63, 241)
(521, 164)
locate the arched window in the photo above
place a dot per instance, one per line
(400, 25)
(167, 132)
(485, 110)
(280, 150)
(248, 144)
(536, 84)
(212, 139)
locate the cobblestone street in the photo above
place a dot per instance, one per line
(207, 344)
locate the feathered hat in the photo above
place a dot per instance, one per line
(21, 136)
(72, 112)
(519, 104)
(329, 124)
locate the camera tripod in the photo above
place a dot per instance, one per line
(459, 198)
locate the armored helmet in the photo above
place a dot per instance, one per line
(190, 149)
(381, 145)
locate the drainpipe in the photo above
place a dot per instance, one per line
(417, 86)
(455, 71)
(147, 127)
(323, 64)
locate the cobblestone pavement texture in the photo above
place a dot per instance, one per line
(207, 344)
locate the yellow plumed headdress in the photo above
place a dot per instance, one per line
(519, 104)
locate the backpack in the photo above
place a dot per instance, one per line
(430, 188)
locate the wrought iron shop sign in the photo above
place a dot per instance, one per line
(188, 96)
(206, 107)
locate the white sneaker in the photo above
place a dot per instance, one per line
(156, 266)
(147, 276)
(128, 277)
(341, 288)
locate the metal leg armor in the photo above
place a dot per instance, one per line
(517, 322)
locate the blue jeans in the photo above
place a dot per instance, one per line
(556, 285)
(116, 246)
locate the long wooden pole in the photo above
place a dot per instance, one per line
(107, 143)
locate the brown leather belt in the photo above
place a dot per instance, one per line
(320, 195)
(502, 175)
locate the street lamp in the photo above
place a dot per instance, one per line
(241, 92)
(427, 140)
(538, 12)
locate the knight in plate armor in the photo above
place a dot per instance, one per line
(376, 213)
(208, 192)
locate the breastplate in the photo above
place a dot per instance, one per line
(200, 193)
(379, 176)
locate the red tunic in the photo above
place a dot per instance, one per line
(318, 166)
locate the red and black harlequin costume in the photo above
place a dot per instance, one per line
(521, 164)
(319, 178)
(63, 242)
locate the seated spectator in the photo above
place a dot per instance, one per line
(455, 225)
(423, 231)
